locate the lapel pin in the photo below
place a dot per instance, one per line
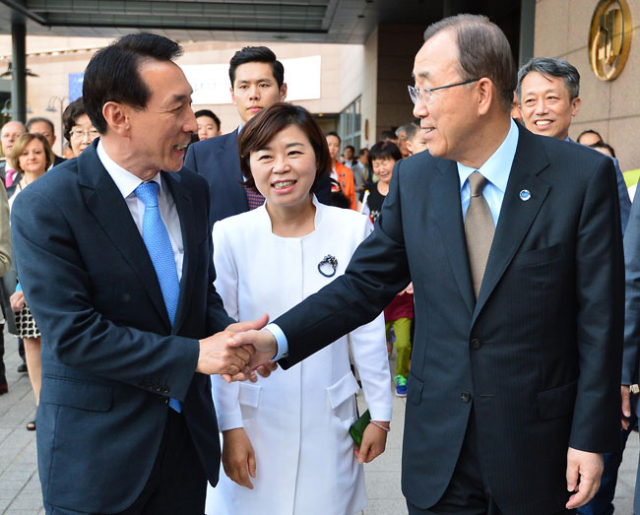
(328, 266)
(525, 195)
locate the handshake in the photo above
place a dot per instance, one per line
(239, 352)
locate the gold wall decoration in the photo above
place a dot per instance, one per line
(610, 38)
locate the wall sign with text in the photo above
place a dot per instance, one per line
(610, 38)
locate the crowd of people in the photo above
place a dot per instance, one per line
(252, 294)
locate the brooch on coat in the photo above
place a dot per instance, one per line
(328, 266)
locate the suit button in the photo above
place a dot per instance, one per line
(476, 344)
(465, 396)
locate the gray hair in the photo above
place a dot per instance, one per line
(483, 51)
(551, 67)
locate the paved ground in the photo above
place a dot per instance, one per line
(20, 489)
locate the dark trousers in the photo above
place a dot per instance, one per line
(602, 503)
(468, 492)
(177, 484)
(21, 350)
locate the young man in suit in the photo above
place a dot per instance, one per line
(514, 247)
(113, 252)
(257, 82)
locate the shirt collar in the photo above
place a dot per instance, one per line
(497, 168)
(125, 180)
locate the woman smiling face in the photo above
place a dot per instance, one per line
(284, 170)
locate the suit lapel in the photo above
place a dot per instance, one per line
(445, 199)
(105, 201)
(184, 206)
(516, 215)
(231, 172)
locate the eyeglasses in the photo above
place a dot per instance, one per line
(93, 134)
(426, 96)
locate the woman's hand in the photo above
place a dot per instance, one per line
(17, 301)
(374, 441)
(238, 457)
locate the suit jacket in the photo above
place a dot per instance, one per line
(536, 360)
(217, 160)
(57, 160)
(110, 357)
(630, 363)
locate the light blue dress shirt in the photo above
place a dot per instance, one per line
(496, 170)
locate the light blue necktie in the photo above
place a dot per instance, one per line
(156, 239)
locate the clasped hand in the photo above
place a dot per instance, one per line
(221, 354)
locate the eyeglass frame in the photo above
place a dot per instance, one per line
(415, 94)
(93, 136)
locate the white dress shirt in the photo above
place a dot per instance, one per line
(127, 183)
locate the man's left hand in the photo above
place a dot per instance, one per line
(584, 470)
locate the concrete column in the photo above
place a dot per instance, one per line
(18, 63)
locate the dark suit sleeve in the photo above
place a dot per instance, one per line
(623, 195)
(190, 159)
(57, 288)
(377, 272)
(600, 315)
(632, 296)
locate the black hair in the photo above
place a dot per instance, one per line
(388, 135)
(263, 127)
(113, 74)
(334, 134)
(606, 146)
(40, 119)
(589, 131)
(71, 114)
(384, 150)
(256, 54)
(210, 114)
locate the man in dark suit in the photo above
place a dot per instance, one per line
(548, 95)
(114, 256)
(514, 247)
(631, 361)
(257, 82)
(45, 127)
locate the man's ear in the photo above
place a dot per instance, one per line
(233, 97)
(575, 106)
(116, 116)
(283, 92)
(487, 95)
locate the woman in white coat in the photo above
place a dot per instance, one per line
(286, 443)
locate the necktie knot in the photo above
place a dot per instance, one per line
(147, 192)
(477, 182)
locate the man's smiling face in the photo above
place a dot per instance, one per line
(546, 106)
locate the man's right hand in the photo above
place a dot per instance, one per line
(217, 356)
(264, 343)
